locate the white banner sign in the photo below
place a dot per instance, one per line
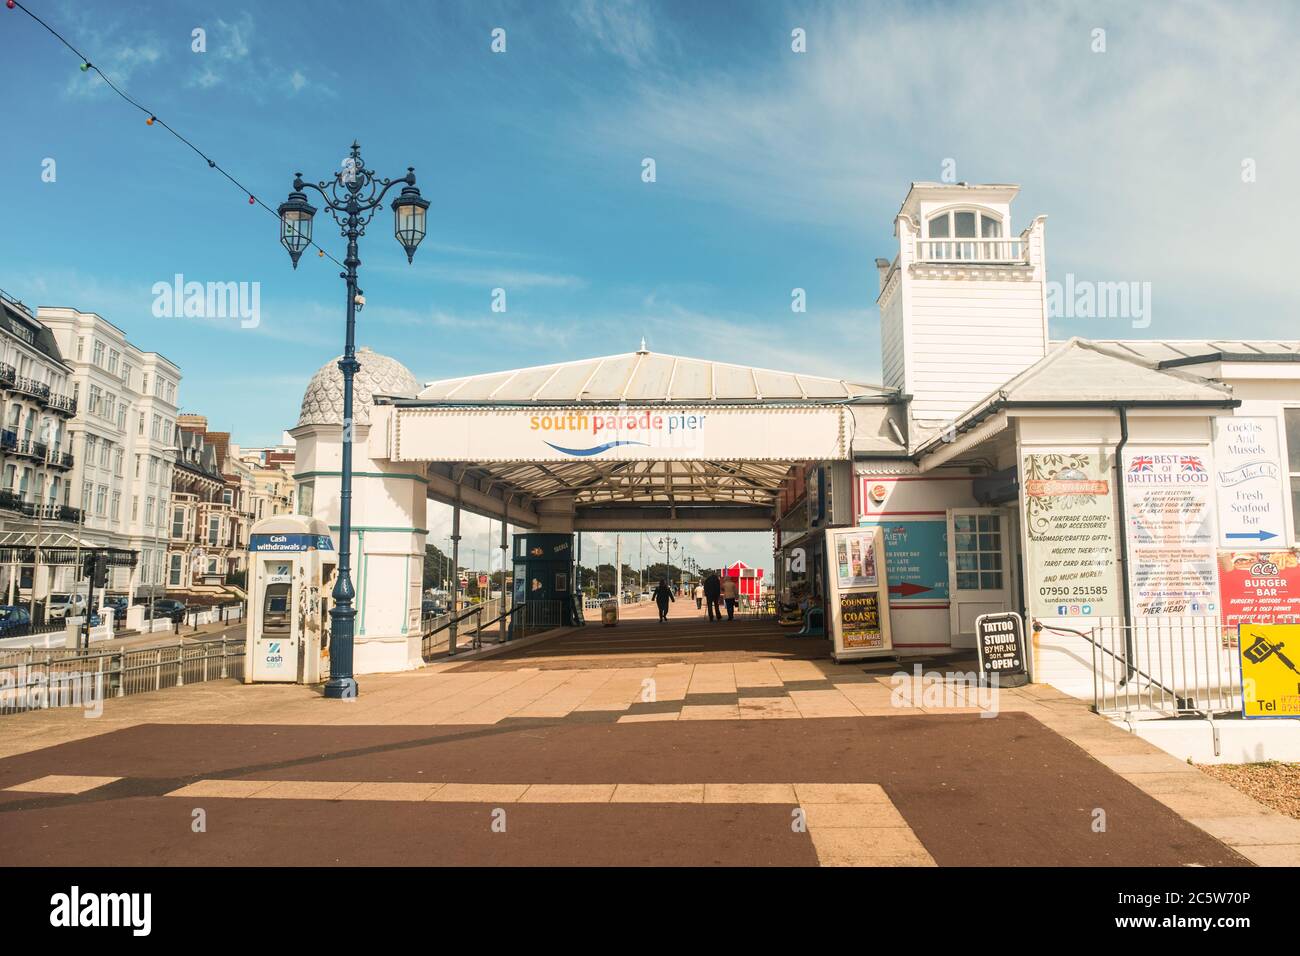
(1248, 466)
(1169, 506)
(663, 433)
(1070, 529)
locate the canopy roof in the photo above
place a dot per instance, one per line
(645, 377)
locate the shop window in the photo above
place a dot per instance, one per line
(977, 549)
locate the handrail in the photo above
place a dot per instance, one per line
(1130, 669)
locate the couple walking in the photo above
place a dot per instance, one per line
(724, 589)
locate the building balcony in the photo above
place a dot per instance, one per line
(28, 448)
(58, 459)
(12, 501)
(8, 374)
(64, 404)
(8, 440)
(29, 386)
(973, 251)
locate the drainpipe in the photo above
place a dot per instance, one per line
(1123, 543)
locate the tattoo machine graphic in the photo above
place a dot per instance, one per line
(1262, 650)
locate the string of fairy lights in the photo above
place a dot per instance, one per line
(153, 120)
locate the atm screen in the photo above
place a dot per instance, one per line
(275, 609)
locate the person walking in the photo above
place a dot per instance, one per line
(712, 591)
(729, 592)
(698, 593)
(663, 594)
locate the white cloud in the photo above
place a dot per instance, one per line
(622, 27)
(1134, 153)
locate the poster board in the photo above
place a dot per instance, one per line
(1270, 674)
(1169, 501)
(857, 591)
(1069, 522)
(1000, 647)
(1250, 482)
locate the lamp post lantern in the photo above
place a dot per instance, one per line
(352, 198)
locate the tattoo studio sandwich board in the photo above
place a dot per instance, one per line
(857, 593)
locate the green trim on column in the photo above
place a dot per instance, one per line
(406, 594)
(362, 474)
(365, 579)
(360, 528)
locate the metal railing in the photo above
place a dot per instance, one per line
(533, 617)
(1164, 667)
(63, 677)
(435, 629)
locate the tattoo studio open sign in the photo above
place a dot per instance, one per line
(1000, 643)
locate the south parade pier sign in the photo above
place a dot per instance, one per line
(619, 432)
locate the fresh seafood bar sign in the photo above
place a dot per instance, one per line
(1250, 481)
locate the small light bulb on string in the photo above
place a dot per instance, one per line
(251, 200)
(320, 253)
(85, 67)
(9, 4)
(149, 121)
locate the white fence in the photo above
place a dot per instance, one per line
(1163, 667)
(37, 679)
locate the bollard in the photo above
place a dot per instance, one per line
(180, 663)
(223, 657)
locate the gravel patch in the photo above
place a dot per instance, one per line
(1273, 784)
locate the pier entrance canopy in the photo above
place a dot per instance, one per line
(628, 442)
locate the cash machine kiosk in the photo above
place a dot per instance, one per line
(291, 568)
(544, 585)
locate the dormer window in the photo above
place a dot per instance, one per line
(967, 235)
(965, 224)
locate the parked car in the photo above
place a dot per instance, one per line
(603, 596)
(118, 605)
(429, 606)
(163, 607)
(59, 606)
(13, 620)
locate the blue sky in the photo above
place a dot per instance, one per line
(775, 170)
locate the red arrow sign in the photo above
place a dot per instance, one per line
(907, 590)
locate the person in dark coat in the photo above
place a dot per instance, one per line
(663, 594)
(712, 596)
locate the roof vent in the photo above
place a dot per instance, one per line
(643, 350)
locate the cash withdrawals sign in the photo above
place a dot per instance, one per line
(1270, 677)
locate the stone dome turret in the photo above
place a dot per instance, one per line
(322, 402)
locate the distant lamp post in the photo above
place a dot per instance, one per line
(352, 198)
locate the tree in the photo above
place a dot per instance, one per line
(437, 569)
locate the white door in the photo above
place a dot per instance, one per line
(979, 579)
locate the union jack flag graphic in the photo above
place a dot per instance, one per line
(1191, 463)
(1142, 463)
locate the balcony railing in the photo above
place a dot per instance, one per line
(29, 386)
(13, 501)
(978, 251)
(63, 403)
(8, 440)
(32, 449)
(59, 459)
(7, 374)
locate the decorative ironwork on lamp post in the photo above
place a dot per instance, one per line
(352, 198)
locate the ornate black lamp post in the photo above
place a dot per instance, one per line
(352, 197)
